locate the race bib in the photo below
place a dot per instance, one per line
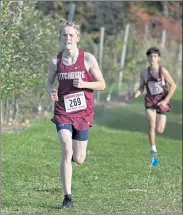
(155, 87)
(75, 102)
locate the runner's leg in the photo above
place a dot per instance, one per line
(151, 116)
(160, 122)
(80, 140)
(65, 137)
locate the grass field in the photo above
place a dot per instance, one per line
(113, 179)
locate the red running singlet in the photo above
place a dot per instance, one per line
(80, 119)
(156, 92)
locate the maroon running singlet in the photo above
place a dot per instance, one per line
(156, 92)
(74, 106)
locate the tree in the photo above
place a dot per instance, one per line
(26, 44)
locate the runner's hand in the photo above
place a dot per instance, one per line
(54, 95)
(163, 103)
(137, 94)
(78, 83)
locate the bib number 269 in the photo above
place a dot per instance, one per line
(75, 102)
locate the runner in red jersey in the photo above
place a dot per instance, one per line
(80, 115)
(78, 75)
(157, 99)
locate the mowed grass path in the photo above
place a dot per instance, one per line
(113, 179)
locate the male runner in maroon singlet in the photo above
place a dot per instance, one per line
(157, 98)
(78, 75)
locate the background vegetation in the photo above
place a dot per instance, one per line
(29, 37)
(115, 178)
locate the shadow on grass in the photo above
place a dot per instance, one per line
(51, 190)
(124, 118)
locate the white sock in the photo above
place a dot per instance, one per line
(153, 148)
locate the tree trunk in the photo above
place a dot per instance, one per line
(165, 8)
(179, 72)
(111, 84)
(110, 92)
(10, 118)
(123, 55)
(16, 109)
(2, 110)
(102, 30)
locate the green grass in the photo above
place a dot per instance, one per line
(114, 177)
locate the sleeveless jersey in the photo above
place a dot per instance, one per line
(64, 109)
(156, 91)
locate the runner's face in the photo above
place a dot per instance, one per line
(154, 59)
(69, 38)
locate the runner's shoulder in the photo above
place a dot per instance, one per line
(144, 73)
(53, 60)
(163, 69)
(89, 57)
(53, 63)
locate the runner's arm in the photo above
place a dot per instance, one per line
(168, 78)
(141, 87)
(49, 85)
(91, 65)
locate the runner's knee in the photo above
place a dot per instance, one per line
(152, 126)
(160, 129)
(79, 159)
(67, 155)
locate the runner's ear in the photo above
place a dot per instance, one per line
(78, 39)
